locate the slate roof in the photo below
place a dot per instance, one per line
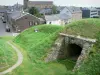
(46, 11)
(2, 9)
(91, 8)
(40, 2)
(60, 8)
(73, 9)
(52, 17)
(57, 17)
(16, 15)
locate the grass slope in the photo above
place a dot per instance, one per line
(8, 56)
(35, 47)
(85, 27)
(88, 28)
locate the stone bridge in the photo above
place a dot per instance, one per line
(71, 46)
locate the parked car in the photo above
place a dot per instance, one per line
(7, 28)
(3, 20)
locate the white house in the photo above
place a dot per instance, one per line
(54, 19)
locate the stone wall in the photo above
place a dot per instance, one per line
(59, 50)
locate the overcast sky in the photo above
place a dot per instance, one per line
(84, 3)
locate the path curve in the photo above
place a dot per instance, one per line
(19, 61)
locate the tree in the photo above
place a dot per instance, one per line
(34, 11)
(54, 9)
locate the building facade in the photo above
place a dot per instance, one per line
(71, 13)
(38, 4)
(22, 20)
(89, 12)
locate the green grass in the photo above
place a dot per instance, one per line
(8, 56)
(40, 68)
(35, 47)
(86, 28)
(38, 44)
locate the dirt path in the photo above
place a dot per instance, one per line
(19, 61)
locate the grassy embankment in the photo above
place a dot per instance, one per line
(89, 28)
(35, 48)
(8, 56)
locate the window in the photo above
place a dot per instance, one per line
(30, 23)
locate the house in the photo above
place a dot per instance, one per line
(55, 19)
(21, 20)
(73, 13)
(37, 4)
(89, 12)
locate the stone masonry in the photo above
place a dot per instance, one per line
(58, 51)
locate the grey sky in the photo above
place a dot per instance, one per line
(84, 3)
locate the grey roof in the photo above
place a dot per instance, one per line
(89, 8)
(2, 9)
(41, 2)
(73, 9)
(60, 8)
(19, 14)
(57, 17)
(52, 17)
(16, 15)
(43, 11)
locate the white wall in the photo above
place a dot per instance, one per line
(57, 22)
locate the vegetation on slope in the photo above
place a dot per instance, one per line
(8, 56)
(38, 44)
(88, 28)
(35, 46)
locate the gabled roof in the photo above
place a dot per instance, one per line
(57, 17)
(73, 9)
(19, 14)
(52, 17)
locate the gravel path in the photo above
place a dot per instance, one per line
(19, 61)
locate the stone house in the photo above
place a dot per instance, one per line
(22, 20)
(37, 4)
